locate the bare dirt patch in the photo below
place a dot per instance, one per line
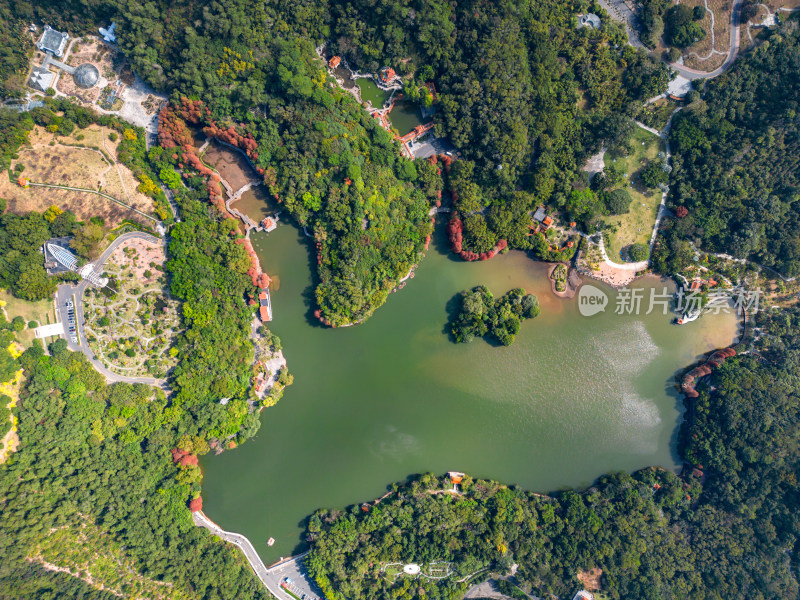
(231, 165)
(699, 56)
(85, 159)
(136, 255)
(776, 4)
(132, 330)
(590, 579)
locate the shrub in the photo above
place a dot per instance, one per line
(682, 29)
(130, 352)
(18, 323)
(654, 174)
(618, 202)
(639, 252)
(33, 324)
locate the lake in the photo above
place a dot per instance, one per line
(573, 398)
(404, 116)
(256, 203)
(370, 92)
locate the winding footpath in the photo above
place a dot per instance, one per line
(67, 291)
(104, 195)
(733, 51)
(662, 208)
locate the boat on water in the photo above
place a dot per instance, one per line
(688, 317)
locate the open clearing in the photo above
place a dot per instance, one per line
(231, 165)
(722, 36)
(41, 311)
(85, 159)
(635, 226)
(132, 331)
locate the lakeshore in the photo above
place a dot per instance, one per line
(372, 404)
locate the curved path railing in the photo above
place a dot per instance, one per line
(267, 575)
(99, 193)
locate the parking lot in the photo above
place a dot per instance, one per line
(65, 299)
(291, 577)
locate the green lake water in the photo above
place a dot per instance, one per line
(573, 398)
(256, 203)
(404, 116)
(371, 92)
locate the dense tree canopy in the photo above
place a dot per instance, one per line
(479, 314)
(737, 158)
(99, 453)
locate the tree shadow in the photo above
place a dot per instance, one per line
(452, 308)
(441, 241)
(685, 407)
(308, 294)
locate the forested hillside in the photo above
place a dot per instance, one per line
(93, 454)
(96, 458)
(737, 161)
(653, 534)
(523, 94)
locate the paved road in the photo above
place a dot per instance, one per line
(732, 52)
(620, 10)
(271, 577)
(69, 291)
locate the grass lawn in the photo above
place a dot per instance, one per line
(636, 226)
(42, 311)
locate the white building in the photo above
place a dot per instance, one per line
(590, 20)
(41, 79)
(53, 41)
(70, 261)
(108, 34)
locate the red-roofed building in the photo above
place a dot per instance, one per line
(334, 62)
(387, 74)
(269, 224)
(547, 222)
(455, 478)
(265, 307)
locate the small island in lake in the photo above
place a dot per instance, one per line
(481, 315)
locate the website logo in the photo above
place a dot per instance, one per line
(591, 300)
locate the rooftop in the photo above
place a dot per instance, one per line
(41, 79)
(387, 74)
(108, 34)
(590, 20)
(53, 41)
(86, 76)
